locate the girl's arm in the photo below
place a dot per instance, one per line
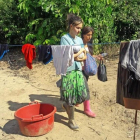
(99, 57)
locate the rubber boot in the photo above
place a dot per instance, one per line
(66, 107)
(70, 112)
(87, 109)
(71, 121)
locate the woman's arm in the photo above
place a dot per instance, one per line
(81, 59)
(64, 41)
(81, 50)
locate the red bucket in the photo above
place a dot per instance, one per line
(35, 119)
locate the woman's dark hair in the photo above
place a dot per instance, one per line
(73, 19)
(86, 30)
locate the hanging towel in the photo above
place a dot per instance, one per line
(3, 49)
(45, 53)
(29, 54)
(131, 60)
(62, 58)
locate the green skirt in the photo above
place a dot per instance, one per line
(73, 89)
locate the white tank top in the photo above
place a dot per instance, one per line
(86, 48)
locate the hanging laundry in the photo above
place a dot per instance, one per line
(122, 75)
(128, 87)
(29, 54)
(45, 53)
(131, 60)
(62, 58)
(3, 49)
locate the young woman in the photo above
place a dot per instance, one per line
(73, 89)
(86, 34)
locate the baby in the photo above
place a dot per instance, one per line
(76, 49)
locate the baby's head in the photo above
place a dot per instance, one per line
(81, 55)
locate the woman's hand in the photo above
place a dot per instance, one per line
(82, 50)
(80, 59)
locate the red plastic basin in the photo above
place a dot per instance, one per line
(35, 119)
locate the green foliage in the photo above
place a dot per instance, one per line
(127, 19)
(11, 26)
(46, 18)
(44, 21)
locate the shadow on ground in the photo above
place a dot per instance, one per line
(12, 127)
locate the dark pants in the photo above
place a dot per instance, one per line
(86, 84)
(85, 75)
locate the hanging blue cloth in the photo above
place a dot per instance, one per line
(3, 49)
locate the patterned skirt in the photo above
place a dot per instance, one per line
(73, 89)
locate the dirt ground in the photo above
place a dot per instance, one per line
(19, 86)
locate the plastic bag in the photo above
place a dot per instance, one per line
(90, 65)
(102, 74)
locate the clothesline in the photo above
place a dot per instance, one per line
(106, 43)
(83, 44)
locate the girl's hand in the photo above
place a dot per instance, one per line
(99, 57)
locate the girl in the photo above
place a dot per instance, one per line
(73, 89)
(86, 34)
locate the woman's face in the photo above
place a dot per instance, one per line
(76, 29)
(87, 37)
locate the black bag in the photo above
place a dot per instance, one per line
(101, 74)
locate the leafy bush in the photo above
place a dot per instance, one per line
(44, 21)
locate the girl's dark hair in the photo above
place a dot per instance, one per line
(90, 48)
(73, 19)
(86, 30)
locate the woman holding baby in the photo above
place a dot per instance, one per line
(74, 88)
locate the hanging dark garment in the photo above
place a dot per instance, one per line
(128, 87)
(122, 75)
(45, 53)
(132, 92)
(3, 49)
(132, 87)
(131, 61)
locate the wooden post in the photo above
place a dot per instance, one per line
(135, 124)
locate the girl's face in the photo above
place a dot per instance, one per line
(76, 29)
(87, 37)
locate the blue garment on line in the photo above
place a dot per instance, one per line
(3, 50)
